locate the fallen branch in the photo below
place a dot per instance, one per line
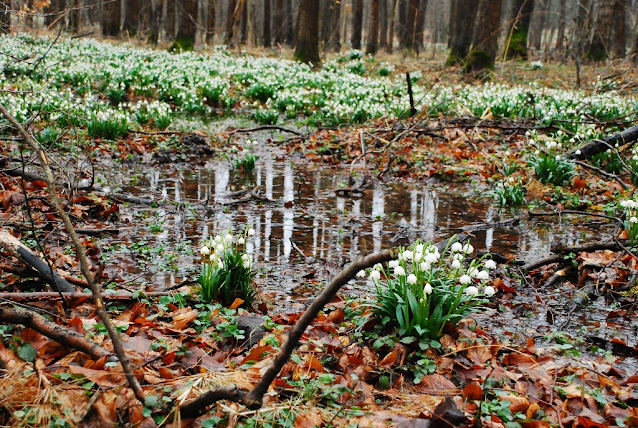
(85, 267)
(49, 296)
(29, 258)
(266, 127)
(253, 398)
(64, 336)
(629, 135)
(603, 173)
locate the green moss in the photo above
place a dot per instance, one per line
(596, 51)
(478, 60)
(517, 48)
(182, 44)
(455, 57)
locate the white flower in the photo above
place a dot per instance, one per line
(399, 271)
(412, 279)
(465, 279)
(378, 266)
(473, 272)
(427, 288)
(228, 237)
(246, 264)
(418, 248)
(456, 264)
(489, 291)
(471, 290)
(431, 258)
(220, 247)
(251, 232)
(245, 256)
(218, 239)
(468, 248)
(204, 250)
(425, 266)
(213, 258)
(393, 264)
(418, 257)
(483, 275)
(220, 265)
(375, 275)
(361, 274)
(457, 246)
(408, 255)
(240, 241)
(633, 219)
(578, 152)
(490, 264)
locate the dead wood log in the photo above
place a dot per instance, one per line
(253, 398)
(629, 135)
(62, 335)
(49, 296)
(29, 258)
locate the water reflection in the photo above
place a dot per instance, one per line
(329, 229)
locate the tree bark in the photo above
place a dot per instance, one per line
(279, 19)
(618, 40)
(391, 30)
(307, 44)
(562, 24)
(202, 21)
(521, 16)
(373, 29)
(598, 47)
(537, 25)
(462, 19)
(111, 18)
(357, 24)
(266, 33)
(230, 21)
(5, 18)
(485, 38)
(383, 24)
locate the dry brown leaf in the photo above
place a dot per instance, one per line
(184, 317)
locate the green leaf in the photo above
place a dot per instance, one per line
(295, 359)
(408, 340)
(146, 412)
(27, 352)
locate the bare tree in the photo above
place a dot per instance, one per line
(373, 29)
(461, 26)
(266, 32)
(357, 24)
(618, 39)
(521, 16)
(597, 48)
(307, 44)
(537, 25)
(485, 38)
(383, 24)
(5, 17)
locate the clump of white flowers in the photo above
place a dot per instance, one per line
(630, 207)
(424, 289)
(227, 269)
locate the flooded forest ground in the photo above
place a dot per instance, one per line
(157, 156)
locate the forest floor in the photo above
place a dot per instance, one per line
(555, 346)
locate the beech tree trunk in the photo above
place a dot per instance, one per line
(521, 16)
(307, 44)
(280, 21)
(618, 40)
(111, 18)
(462, 19)
(373, 29)
(485, 38)
(230, 21)
(562, 24)
(537, 25)
(357, 24)
(393, 19)
(5, 18)
(383, 24)
(598, 47)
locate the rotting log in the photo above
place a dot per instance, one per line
(62, 335)
(629, 135)
(29, 258)
(49, 296)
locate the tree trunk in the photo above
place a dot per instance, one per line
(279, 20)
(562, 24)
(410, 40)
(111, 18)
(290, 29)
(402, 25)
(230, 21)
(537, 25)
(5, 19)
(202, 22)
(393, 19)
(598, 49)
(266, 34)
(186, 20)
(383, 24)
(212, 21)
(521, 16)
(420, 23)
(461, 30)
(485, 38)
(357, 24)
(244, 22)
(373, 29)
(618, 40)
(307, 44)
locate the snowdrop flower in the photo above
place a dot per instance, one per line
(399, 271)
(220, 265)
(419, 248)
(456, 247)
(408, 255)
(393, 264)
(465, 279)
(431, 258)
(633, 219)
(251, 232)
(204, 251)
(218, 239)
(471, 290)
(220, 247)
(427, 288)
(412, 279)
(473, 272)
(228, 237)
(490, 264)
(375, 275)
(483, 275)
(378, 266)
(246, 264)
(489, 291)
(361, 274)
(240, 241)
(456, 264)
(245, 256)
(418, 257)
(425, 266)
(624, 204)
(468, 248)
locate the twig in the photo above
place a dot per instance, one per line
(603, 173)
(266, 127)
(62, 335)
(100, 308)
(51, 296)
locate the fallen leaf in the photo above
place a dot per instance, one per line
(184, 317)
